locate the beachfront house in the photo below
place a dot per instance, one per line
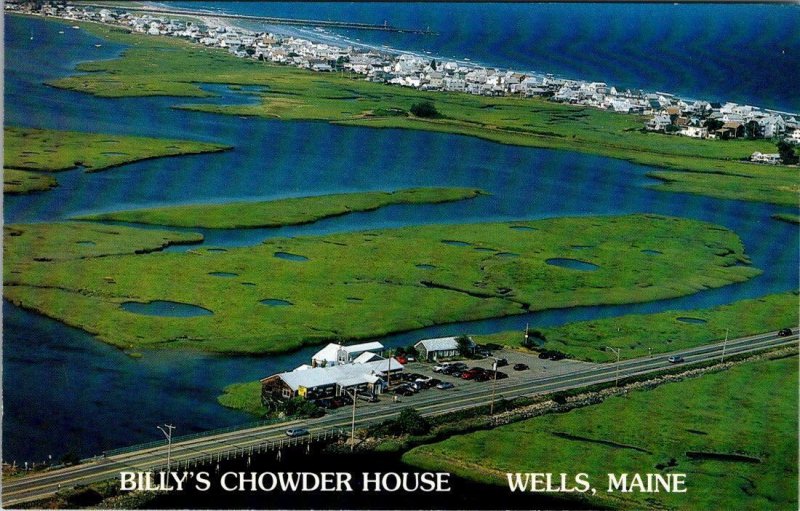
(771, 159)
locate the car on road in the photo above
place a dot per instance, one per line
(445, 385)
(293, 432)
(675, 359)
(784, 332)
(521, 367)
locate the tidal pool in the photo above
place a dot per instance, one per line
(572, 264)
(290, 257)
(694, 321)
(165, 308)
(274, 302)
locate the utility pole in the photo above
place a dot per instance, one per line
(724, 343)
(494, 384)
(168, 434)
(353, 425)
(615, 350)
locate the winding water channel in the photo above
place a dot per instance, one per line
(65, 390)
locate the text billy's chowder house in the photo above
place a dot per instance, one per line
(366, 373)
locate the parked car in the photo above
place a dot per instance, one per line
(368, 397)
(438, 368)
(521, 367)
(445, 385)
(400, 358)
(456, 373)
(484, 376)
(403, 390)
(557, 356)
(459, 365)
(675, 359)
(501, 362)
(293, 432)
(469, 375)
(785, 332)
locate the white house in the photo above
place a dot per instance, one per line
(337, 354)
(772, 159)
(326, 382)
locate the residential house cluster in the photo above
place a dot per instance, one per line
(667, 113)
(703, 119)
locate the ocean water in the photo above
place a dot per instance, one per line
(81, 383)
(742, 53)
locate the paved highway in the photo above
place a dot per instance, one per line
(242, 442)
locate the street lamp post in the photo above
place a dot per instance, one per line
(724, 343)
(494, 384)
(615, 350)
(168, 434)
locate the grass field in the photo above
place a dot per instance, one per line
(784, 217)
(748, 410)
(281, 212)
(161, 66)
(368, 284)
(27, 150)
(24, 181)
(636, 335)
(245, 397)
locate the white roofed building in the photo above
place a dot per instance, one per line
(438, 348)
(337, 354)
(331, 381)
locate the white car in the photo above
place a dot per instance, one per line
(440, 367)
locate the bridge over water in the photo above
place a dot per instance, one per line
(270, 436)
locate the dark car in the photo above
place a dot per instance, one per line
(557, 356)
(403, 390)
(369, 398)
(521, 367)
(456, 374)
(544, 355)
(501, 362)
(445, 385)
(459, 366)
(293, 432)
(785, 332)
(675, 359)
(484, 376)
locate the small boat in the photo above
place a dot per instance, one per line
(98, 45)
(60, 31)
(76, 27)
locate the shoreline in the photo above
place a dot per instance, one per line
(343, 41)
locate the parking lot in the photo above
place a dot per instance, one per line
(536, 369)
